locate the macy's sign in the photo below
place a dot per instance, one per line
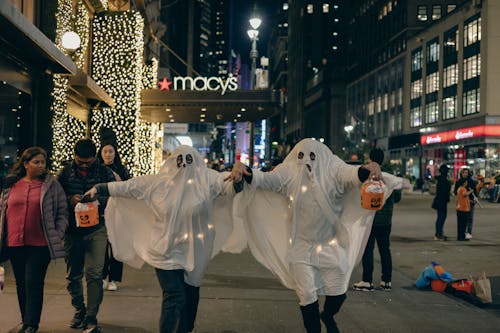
(200, 83)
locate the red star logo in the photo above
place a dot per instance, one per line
(164, 84)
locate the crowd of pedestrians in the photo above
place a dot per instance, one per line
(41, 220)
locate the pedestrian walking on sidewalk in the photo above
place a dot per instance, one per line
(308, 225)
(85, 244)
(33, 219)
(109, 156)
(440, 201)
(463, 208)
(167, 220)
(380, 233)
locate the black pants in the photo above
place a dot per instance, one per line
(179, 304)
(462, 218)
(382, 235)
(112, 267)
(29, 264)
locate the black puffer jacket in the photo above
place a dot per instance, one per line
(74, 183)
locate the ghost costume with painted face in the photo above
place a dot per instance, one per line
(311, 231)
(169, 220)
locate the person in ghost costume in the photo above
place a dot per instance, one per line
(304, 222)
(168, 220)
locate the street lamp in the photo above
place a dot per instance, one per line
(253, 34)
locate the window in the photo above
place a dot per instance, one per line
(471, 102)
(450, 75)
(449, 107)
(385, 101)
(450, 8)
(416, 116)
(472, 67)
(285, 5)
(433, 51)
(392, 102)
(422, 13)
(371, 107)
(431, 112)
(400, 96)
(436, 12)
(432, 83)
(451, 41)
(416, 89)
(378, 105)
(472, 32)
(416, 60)
(310, 9)
(326, 8)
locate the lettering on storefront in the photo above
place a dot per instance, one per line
(433, 139)
(200, 83)
(459, 135)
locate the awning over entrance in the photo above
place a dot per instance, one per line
(21, 38)
(188, 106)
(84, 93)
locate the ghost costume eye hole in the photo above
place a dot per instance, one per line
(301, 155)
(189, 159)
(312, 156)
(179, 161)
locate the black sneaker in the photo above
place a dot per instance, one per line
(89, 322)
(92, 328)
(77, 320)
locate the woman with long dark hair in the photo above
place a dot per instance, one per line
(33, 220)
(113, 269)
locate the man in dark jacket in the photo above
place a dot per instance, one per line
(440, 201)
(381, 232)
(85, 247)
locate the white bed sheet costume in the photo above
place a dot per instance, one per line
(304, 220)
(169, 220)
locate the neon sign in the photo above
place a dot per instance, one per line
(200, 83)
(461, 134)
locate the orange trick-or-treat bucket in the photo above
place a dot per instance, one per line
(372, 194)
(87, 214)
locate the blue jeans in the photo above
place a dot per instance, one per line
(441, 218)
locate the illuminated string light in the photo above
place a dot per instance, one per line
(65, 128)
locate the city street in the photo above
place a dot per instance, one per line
(240, 296)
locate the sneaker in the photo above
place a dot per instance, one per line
(468, 236)
(92, 328)
(78, 319)
(363, 286)
(387, 286)
(112, 286)
(104, 284)
(88, 323)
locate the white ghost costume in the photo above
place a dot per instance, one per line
(304, 220)
(169, 220)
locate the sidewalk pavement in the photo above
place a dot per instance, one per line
(240, 296)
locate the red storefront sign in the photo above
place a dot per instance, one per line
(460, 134)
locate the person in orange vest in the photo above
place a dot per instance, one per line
(463, 208)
